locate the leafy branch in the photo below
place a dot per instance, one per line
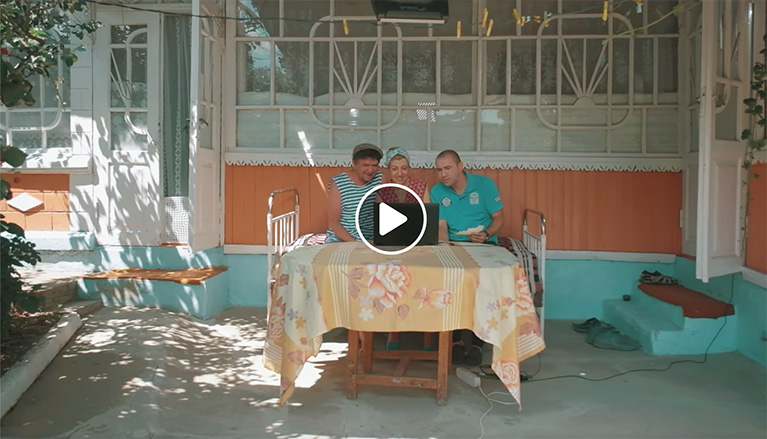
(34, 36)
(756, 133)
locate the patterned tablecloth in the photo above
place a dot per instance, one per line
(429, 288)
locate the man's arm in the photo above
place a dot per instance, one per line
(334, 213)
(443, 236)
(495, 226)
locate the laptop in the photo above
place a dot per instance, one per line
(405, 234)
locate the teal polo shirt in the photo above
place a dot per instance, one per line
(472, 208)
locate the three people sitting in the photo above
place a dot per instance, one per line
(470, 209)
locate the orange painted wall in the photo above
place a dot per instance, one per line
(51, 189)
(756, 246)
(600, 211)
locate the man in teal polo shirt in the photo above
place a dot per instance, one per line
(470, 207)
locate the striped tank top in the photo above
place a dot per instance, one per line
(351, 194)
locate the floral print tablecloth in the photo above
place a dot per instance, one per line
(429, 288)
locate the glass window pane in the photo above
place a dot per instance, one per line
(408, 132)
(584, 141)
(348, 139)
(496, 127)
(495, 68)
(662, 131)
(627, 137)
(128, 131)
(523, 67)
(258, 129)
(61, 135)
(456, 76)
(27, 139)
(454, 129)
(129, 34)
(531, 134)
(419, 72)
(292, 73)
(302, 130)
(254, 73)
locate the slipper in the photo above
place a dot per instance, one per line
(474, 356)
(659, 279)
(615, 341)
(458, 354)
(392, 346)
(603, 328)
(586, 326)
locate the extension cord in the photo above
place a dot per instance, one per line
(467, 377)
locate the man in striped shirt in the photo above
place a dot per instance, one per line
(345, 191)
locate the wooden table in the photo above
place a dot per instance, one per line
(428, 289)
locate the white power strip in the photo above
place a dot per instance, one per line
(467, 377)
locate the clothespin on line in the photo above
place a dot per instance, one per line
(489, 28)
(458, 29)
(346, 27)
(605, 6)
(639, 5)
(484, 18)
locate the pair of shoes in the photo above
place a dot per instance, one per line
(608, 337)
(657, 278)
(469, 357)
(392, 346)
(586, 326)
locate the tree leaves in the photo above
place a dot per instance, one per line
(36, 35)
(13, 156)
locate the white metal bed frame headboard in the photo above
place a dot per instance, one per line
(281, 230)
(537, 245)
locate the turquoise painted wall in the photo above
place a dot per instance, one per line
(575, 289)
(247, 280)
(750, 303)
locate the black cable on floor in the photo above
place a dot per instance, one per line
(705, 354)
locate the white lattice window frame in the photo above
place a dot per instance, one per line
(608, 159)
(76, 158)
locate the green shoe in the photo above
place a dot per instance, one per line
(601, 328)
(615, 341)
(392, 346)
(586, 326)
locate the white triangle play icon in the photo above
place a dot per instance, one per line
(389, 219)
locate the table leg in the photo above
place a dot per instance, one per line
(443, 363)
(367, 351)
(352, 371)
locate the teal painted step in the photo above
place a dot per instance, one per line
(662, 329)
(202, 301)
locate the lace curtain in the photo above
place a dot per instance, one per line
(176, 95)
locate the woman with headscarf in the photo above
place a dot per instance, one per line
(397, 161)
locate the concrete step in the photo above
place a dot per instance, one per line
(660, 330)
(83, 307)
(203, 301)
(55, 294)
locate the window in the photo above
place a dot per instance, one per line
(310, 83)
(46, 124)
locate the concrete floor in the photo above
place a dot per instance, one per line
(151, 373)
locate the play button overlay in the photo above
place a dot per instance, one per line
(390, 219)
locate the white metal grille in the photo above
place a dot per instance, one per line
(177, 214)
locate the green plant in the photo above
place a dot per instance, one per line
(756, 133)
(34, 35)
(15, 251)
